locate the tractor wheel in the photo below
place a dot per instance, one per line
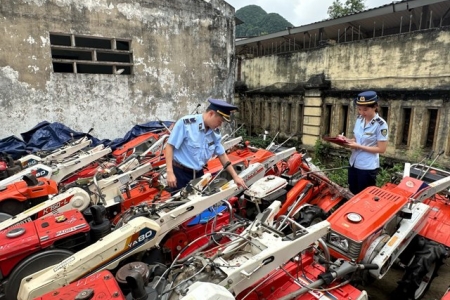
(4, 217)
(30, 265)
(407, 256)
(310, 215)
(12, 207)
(421, 272)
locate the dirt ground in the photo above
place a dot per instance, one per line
(380, 290)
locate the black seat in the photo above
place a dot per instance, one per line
(31, 180)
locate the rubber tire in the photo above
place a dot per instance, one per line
(421, 272)
(30, 265)
(407, 256)
(310, 215)
(12, 207)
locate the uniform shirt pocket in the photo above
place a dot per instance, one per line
(193, 149)
(208, 151)
(369, 138)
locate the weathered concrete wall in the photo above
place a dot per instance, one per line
(309, 121)
(183, 53)
(418, 61)
(409, 71)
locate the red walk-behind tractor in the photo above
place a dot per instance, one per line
(29, 247)
(21, 195)
(405, 223)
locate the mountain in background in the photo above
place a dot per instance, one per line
(258, 22)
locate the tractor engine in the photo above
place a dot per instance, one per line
(261, 195)
(198, 270)
(101, 283)
(31, 246)
(376, 225)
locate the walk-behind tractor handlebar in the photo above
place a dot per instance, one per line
(338, 270)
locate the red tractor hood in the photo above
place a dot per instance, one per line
(19, 241)
(371, 209)
(365, 213)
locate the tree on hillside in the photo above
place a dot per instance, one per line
(273, 22)
(251, 13)
(258, 22)
(339, 9)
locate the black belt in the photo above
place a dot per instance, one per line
(180, 166)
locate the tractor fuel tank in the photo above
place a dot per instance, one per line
(366, 213)
(58, 230)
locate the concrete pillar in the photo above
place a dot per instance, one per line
(312, 116)
(275, 115)
(286, 116)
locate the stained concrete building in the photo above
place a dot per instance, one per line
(302, 80)
(111, 64)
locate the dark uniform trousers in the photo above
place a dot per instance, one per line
(358, 179)
(184, 176)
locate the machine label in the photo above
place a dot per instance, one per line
(69, 230)
(29, 163)
(55, 206)
(144, 235)
(41, 173)
(63, 264)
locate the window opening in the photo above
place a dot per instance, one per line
(327, 122)
(268, 120)
(431, 132)
(300, 117)
(90, 55)
(344, 119)
(384, 111)
(404, 134)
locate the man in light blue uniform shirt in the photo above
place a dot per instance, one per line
(370, 139)
(193, 141)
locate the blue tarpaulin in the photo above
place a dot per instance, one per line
(50, 136)
(137, 130)
(13, 146)
(47, 136)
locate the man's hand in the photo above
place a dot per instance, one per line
(171, 179)
(240, 182)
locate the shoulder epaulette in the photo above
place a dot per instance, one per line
(381, 122)
(189, 121)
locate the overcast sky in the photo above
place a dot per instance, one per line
(299, 12)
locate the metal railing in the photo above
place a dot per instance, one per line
(343, 35)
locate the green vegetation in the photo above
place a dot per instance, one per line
(332, 165)
(254, 140)
(258, 22)
(328, 159)
(339, 9)
(337, 163)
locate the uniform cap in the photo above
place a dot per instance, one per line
(366, 98)
(222, 107)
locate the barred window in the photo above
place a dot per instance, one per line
(327, 120)
(432, 118)
(405, 130)
(90, 55)
(343, 119)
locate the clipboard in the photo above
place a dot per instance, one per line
(335, 140)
